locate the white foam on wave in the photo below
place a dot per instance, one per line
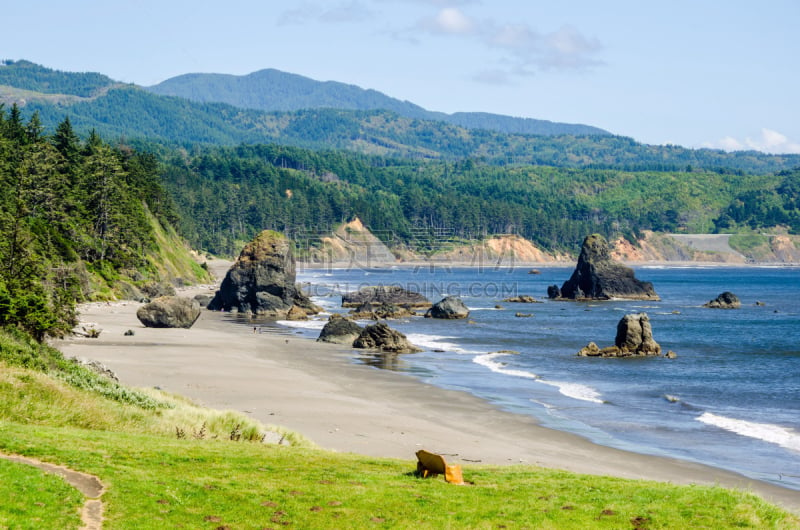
(576, 391)
(767, 432)
(488, 360)
(435, 342)
(326, 302)
(571, 390)
(303, 324)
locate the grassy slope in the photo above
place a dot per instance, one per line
(157, 480)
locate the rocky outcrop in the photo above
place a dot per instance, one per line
(451, 307)
(339, 330)
(385, 294)
(96, 366)
(296, 313)
(634, 339)
(262, 281)
(726, 300)
(598, 277)
(522, 299)
(169, 312)
(367, 311)
(381, 337)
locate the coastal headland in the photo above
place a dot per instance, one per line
(317, 390)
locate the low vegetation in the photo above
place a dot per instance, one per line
(169, 464)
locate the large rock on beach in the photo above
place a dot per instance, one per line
(340, 330)
(451, 307)
(169, 312)
(384, 294)
(726, 300)
(262, 281)
(381, 337)
(598, 277)
(634, 339)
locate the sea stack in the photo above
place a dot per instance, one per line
(598, 277)
(262, 281)
(634, 339)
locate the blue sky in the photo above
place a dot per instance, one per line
(700, 73)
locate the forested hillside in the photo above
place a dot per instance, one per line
(225, 195)
(132, 113)
(273, 90)
(29, 76)
(77, 220)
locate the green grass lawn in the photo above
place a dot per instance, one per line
(169, 464)
(31, 498)
(160, 482)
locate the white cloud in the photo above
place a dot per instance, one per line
(448, 21)
(524, 49)
(769, 142)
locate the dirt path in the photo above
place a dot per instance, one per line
(89, 485)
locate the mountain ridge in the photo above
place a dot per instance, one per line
(270, 89)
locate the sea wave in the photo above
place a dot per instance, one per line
(571, 390)
(436, 342)
(575, 391)
(326, 302)
(488, 360)
(767, 432)
(303, 324)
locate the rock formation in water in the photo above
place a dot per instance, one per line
(367, 311)
(169, 312)
(340, 330)
(726, 300)
(385, 294)
(262, 281)
(450, 307)
(381, 337)
(598, 277)
(522, 299)
(634, 339)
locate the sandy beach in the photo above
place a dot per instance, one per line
(316, 389)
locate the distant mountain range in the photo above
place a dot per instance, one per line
(372, 123)
(273, 90)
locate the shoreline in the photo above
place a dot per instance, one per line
(316, 390)
(343, 265)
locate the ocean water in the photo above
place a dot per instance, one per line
(731, 398)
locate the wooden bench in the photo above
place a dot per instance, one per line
(431, 465)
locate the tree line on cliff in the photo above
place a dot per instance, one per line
(225, 195)
(72, 212)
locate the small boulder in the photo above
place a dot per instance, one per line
(450, 307)
(339, 330)
(554, 292)
(726, 300)
(203, 299)
(169, 312)
(296, 313)
(381, 337)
